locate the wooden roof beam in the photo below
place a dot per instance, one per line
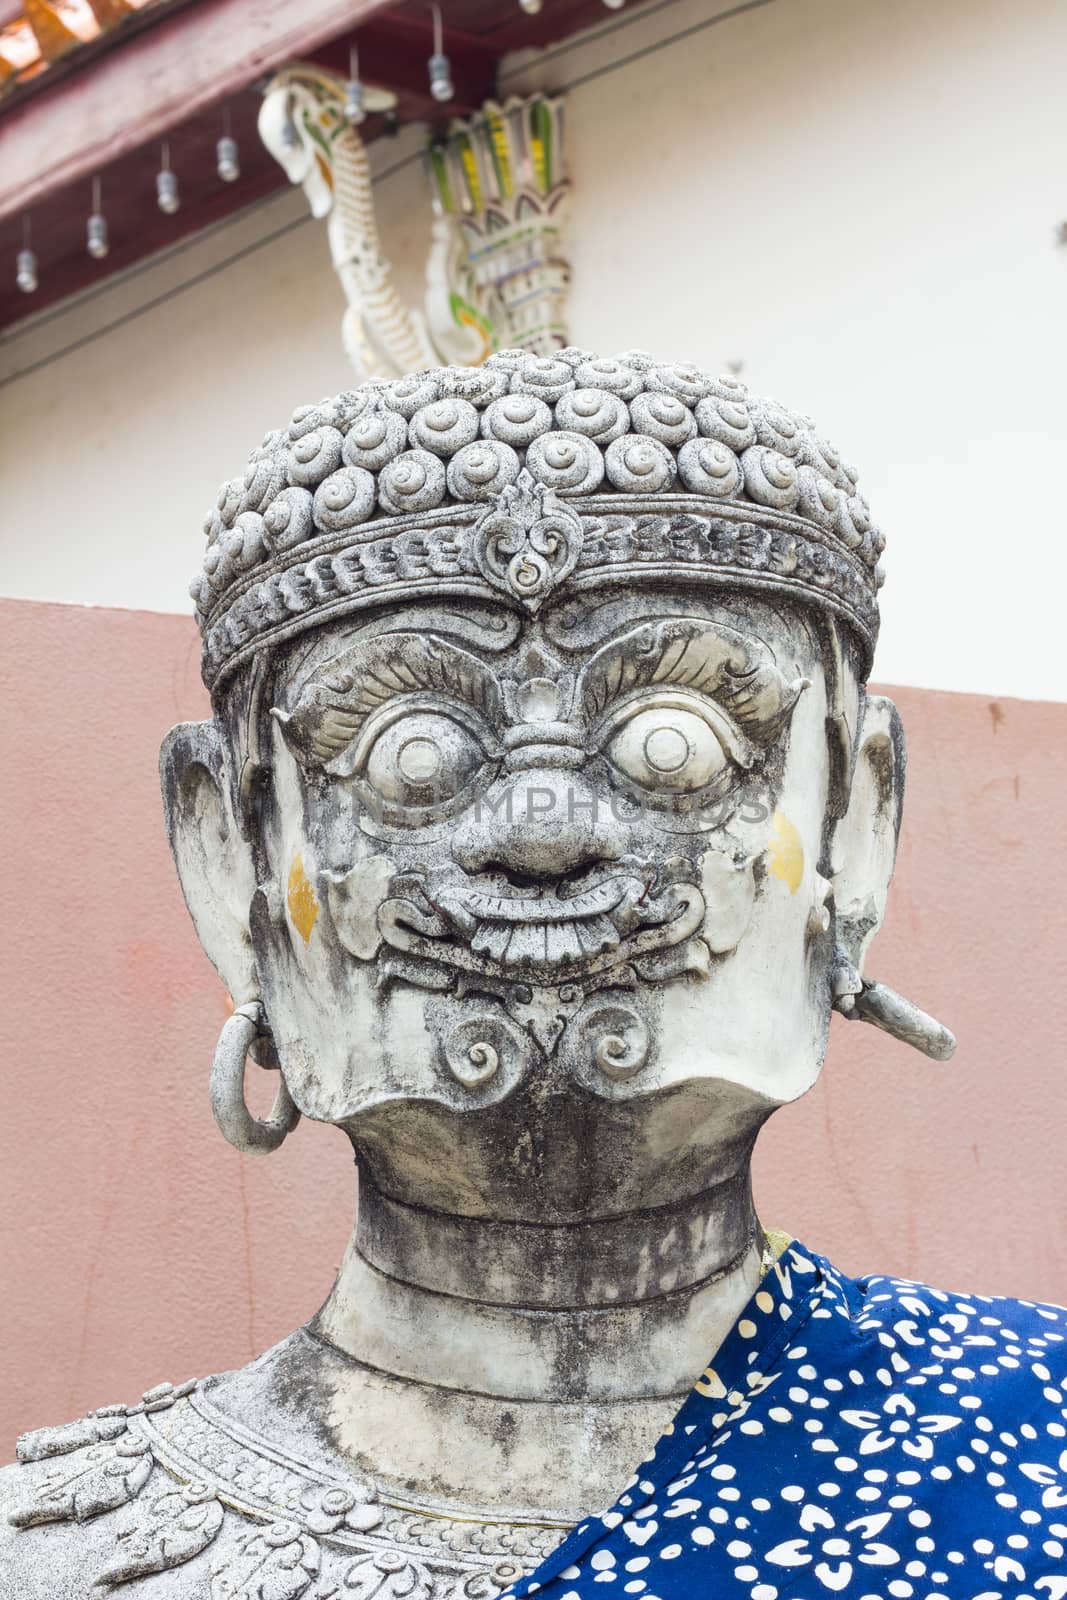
(196, 57)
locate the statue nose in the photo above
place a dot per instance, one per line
(539, 822)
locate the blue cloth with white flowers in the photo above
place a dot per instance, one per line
(865, 1437)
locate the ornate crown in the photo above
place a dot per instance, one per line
(523, 476)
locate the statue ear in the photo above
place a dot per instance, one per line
(865, 840)
(214, 862)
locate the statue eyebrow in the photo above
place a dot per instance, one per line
(735, 670)
(336, 703)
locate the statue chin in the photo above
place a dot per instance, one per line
(536, 1101)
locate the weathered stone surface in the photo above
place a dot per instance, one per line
(542, 821)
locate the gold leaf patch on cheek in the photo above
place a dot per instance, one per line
(303, 905)
(786, 852)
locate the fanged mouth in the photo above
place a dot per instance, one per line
(552, 930)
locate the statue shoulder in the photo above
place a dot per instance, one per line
(28, 1568)
(990, 1354)
(54, 1561)
(57, 1536)
(176, 1492)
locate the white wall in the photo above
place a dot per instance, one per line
(858, 201)
(112, 453)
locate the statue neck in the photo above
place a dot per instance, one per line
(527, 1293)
(540, 1343)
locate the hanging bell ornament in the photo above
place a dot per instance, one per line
(228, 164)
(167, 197)
(26, 271)
(96, 239)
(354, 111)
(441, 86)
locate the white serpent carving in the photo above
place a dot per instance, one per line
(495, 274)
(302, 124)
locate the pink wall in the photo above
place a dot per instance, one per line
(137, 1246)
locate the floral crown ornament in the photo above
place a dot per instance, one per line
(527, 542)
(524, 477)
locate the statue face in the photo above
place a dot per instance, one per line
(507, 861)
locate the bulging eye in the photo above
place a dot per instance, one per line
(668, 749)
(422, 759)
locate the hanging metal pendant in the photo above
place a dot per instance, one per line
(441, 85)
(440, 68)
(96, 239)
(26, 271)
(227, 159)
(96, 235)
(168, 197)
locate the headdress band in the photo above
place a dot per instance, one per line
(526, 478)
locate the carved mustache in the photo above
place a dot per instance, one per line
(631, 911)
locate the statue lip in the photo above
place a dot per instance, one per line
(489, 929)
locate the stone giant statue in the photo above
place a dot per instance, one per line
(542, 821)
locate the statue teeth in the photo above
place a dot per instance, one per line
(528, 945)
(464, 906)
(597, 936)
(562, 942)
(544, 943)
(491, 940)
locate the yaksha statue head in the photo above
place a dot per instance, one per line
(543, 817)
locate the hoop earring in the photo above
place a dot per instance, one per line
(236, 1123)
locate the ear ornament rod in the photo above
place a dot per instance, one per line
(253, 1135)
(862, 1001)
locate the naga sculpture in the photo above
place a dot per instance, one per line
(542, 820)
(303, 125)
(497, 269)
(495, 274)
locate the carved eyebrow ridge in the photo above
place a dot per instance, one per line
(618, 677)
(370, 678)
(736, 671)
(333, 707)
(673, 666)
